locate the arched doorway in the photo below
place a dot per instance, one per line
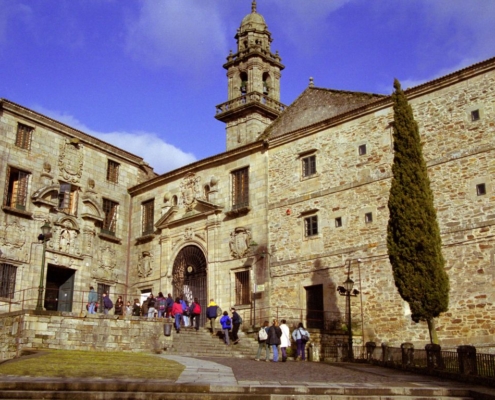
(189, 277)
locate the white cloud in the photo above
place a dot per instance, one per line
(187, 36)
(162, 156)
(9, 11)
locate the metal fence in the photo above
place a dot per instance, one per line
(464, 361)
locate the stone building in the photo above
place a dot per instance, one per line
(273, 225)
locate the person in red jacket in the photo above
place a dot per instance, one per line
(177, 313)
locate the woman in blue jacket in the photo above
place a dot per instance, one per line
(226, 323)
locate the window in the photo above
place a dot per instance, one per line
(240, 188)
(110, 208)
(242, 288)
(16, 188)
(67, 198)
(311, 226)
(475, 115)
(148, 216)
(338, 222)
(362, 150)
(23, 137)
(481, 189)
(368, 217)
(113, 171)
(7, 280)
(309, 165)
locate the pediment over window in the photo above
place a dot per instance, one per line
(200, 210)
(68, 222)
(91, 209)
(46, 195)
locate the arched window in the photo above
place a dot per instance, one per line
(266, 82)
(174, 200)
(244, 82)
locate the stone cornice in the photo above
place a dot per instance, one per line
(197, 166)
(59, 127)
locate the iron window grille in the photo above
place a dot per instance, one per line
(16, 188)
(113, 171)
(148, 216)
(242, 288)
(309, 165)
(24, 136)
(240, 188)
(7, 280)
(311, 226)
(110, 208)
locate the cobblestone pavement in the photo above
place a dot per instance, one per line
(307, 373)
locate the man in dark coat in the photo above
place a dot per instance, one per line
(236, 322)
(212, 314)
(274, 334)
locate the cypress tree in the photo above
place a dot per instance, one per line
(413, 235)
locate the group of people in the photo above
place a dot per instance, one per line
(278, 335)
(188, 315)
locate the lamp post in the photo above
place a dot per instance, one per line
(44, 237)
(347, 291)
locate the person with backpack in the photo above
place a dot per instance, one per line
(262, 337)
(177, 313)
(274, 334)
(212, 312)
(301, 336)
(107, 304)
(195, 313)
(236, 322)
(226, 323)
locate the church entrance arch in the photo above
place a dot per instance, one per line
(189, 277)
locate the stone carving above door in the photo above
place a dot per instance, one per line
(70, 161)
(189, 190)
(239, 242)
(105, 270)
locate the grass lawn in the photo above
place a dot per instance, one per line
(85, 364)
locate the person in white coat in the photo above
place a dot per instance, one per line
(284, 339)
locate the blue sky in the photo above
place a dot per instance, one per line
(147, 75)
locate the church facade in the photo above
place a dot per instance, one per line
(294, 206)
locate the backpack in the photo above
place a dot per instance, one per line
(239, 320)
(262, 335)
(196, 309)
(227, 322)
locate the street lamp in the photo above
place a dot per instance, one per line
(43, 237)
(347, 291)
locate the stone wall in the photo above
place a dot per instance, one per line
(24, 331)
(460, 155)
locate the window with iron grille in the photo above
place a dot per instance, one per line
(242, 288)
(148, 216)
(311, 226)
(7, 280)
(16, 188)
(113, 171)
(24, 136)
(309, 165)
(240, 188)
(67, 198)
(110, 208)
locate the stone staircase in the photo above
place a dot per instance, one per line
(202, 343)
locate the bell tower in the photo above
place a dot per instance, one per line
(253, 74)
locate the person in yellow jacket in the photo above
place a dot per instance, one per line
(212, 312)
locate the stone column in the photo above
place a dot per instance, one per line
(467, 360)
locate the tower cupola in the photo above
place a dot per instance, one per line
(253, 74)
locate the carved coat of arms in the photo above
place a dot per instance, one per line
(239, 242)
(145, 264)
(189, 189)
(70, 161)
